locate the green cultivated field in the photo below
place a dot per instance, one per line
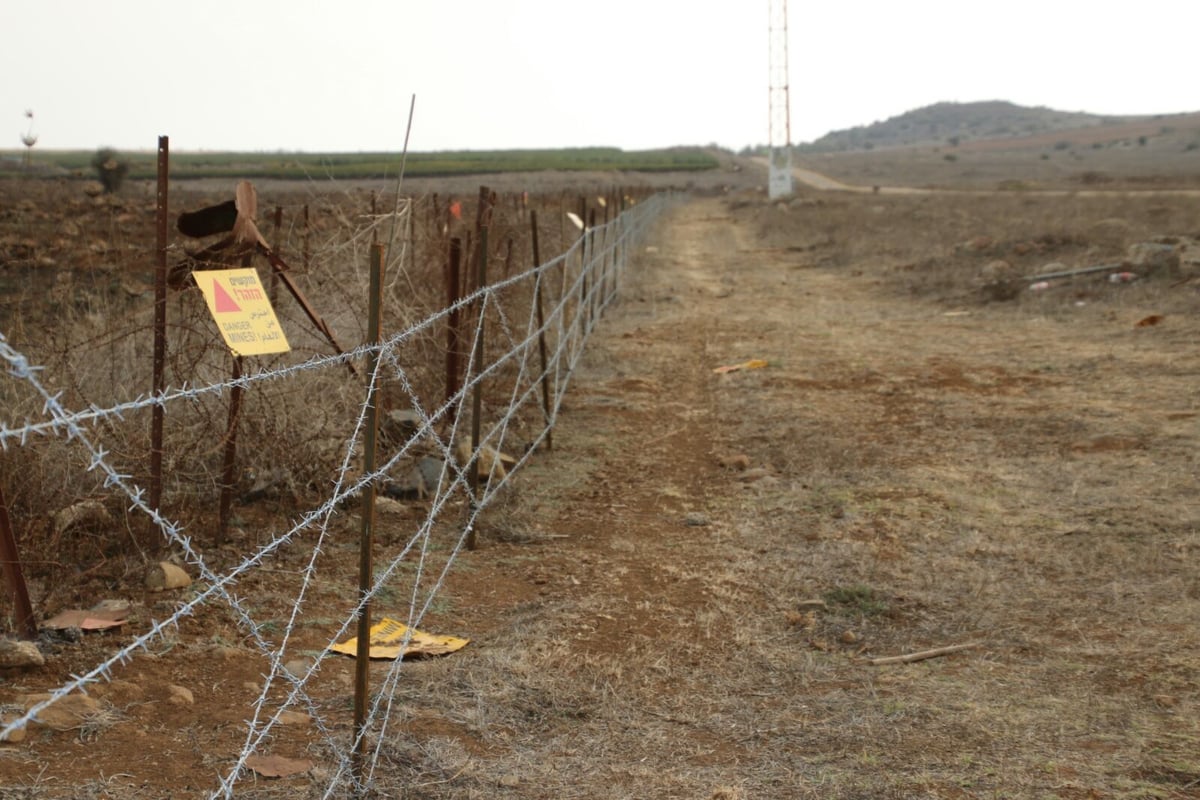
(371, 165)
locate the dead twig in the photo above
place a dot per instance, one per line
(922, 655)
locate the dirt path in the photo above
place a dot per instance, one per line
(917, 479)
(683, 598)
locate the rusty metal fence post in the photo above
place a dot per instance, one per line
(541, 323)
(453, 331)
(366, 541)
(14, 576)
(157, 413)
(477, 391)
(229, 464)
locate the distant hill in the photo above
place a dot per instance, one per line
(994, 121)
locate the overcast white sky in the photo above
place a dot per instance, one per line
(322, 76)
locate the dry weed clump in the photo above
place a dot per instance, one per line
(77, 301)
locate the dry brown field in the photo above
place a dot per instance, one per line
(691, 595)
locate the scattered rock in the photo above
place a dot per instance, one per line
(1152, 258)
(431, 470)
(270, 484)
(977, 244)
(89, 513)
(14, 653)
(1165, 701)
(114, 605)
(1001, 290)
(294, 718)
(389, 507)
(490, 462)
(399, 426)
(997, 269)
(65, 713)
(739, 462)
(15, 736)
(695, 519)
(93, 188)
(277, 766)
(181, 696)
(411, 487)
(849, 637)
(165, 575)
(754, 475)
(510, 781)
(299, 667)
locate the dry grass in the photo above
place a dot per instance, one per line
(1019, 475)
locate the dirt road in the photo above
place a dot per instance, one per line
(918, 477)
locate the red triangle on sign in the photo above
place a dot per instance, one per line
(223, 301)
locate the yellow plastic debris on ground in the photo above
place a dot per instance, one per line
(387, 641)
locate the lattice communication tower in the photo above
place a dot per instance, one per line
(779, 181)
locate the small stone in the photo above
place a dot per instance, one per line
(386, 506)
(849, 637)
(65, 713)
(1152, 258)
(695, 519)
(978, 244)
(181, 696)
(510, 781)
(399, 426)
(14, 653)
(754, 475)
(294, 718)
(738, 461)
(165, 575)
(997, 269)
(90, 513)
(431, 471)
(411, 487)
(15, 736)
(299, 667)
(251, 686)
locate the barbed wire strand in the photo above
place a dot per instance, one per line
(570, 334)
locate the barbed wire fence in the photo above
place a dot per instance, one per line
(518, 378)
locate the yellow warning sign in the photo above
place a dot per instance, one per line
(242, 311)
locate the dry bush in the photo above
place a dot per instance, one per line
(85, 314)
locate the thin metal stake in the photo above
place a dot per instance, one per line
(477, 393)
(10, 565)
(366, 538)
(276, 245)
(541, 323)
(453, 331)
(157, 413)
(228, 478)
